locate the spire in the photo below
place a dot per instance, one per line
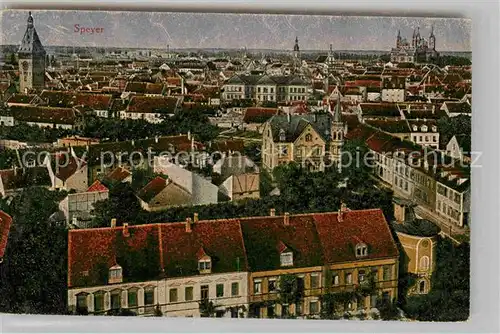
(399, 33)
(337, 113)
(30, 20)
(432, 30)
(296, 46)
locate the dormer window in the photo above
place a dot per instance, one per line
(282, 135)
(205, 266)
(434, 128)
(361, 250)
(286, 259)
(414, 128)
(115, 274)
(424, 128)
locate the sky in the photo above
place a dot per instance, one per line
(231, 31)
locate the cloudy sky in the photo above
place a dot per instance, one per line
(254, 31)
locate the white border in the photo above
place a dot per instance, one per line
(485, 180)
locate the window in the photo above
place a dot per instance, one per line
(282, 135)
(173, 295)
(115, 274)
(386, 296)
(149, 297)
(219, 290)
(285, 310)
(313, 307)
(361, 276)
(116, 300)
(257, 287)
(286, 259)
(421, 287)
(98, 301)
(81, 302)
(335, 279)
(424, 263)
(348, 278)
(188, 293)
(361, 250)
(308, 137)
(204, 265)
(132, 298)
(387, 273)
(271, 311)
(235, 289)
(298, 308)
(283, 150)
(271, 285)
(204, 292)
(314, 281)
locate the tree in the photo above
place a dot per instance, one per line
(122, 204)
(207, 308)
(33, 274)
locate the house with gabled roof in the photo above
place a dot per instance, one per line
(161, 193)
(238, 265)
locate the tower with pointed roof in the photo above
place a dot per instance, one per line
(296, 49)
(338, 130)
(31, 55)
(432, 40)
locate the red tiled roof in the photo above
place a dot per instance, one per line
(153, 188)
(153, 88)
(258, 115)
(5, 224)
(235, 145)
(44, 114)
(233, 244)
(97, 186)
(263, 235)
(338, 239)
(66, 165)
(118, 174)
(145, 104)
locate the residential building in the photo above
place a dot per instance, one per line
(77, 207)
(239, 176)
(459, 147)
(393, 89)
(180, 265)
(453, 197)
(313, 140)
(183, 269)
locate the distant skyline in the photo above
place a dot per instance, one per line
(231, 31)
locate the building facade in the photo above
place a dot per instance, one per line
(31, 55)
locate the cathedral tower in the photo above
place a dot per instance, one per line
(296, 49)
(31, 57)
(338, 131)
(432, 40)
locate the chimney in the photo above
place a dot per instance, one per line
(156, 139)
(125, 230)
(289, 117)
(189, 135)
(188, 225)
(133, 142)
(286, 219)
(195, 217)
(272, 212)
(113, 223)
(315, 117)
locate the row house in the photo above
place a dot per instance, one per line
(47, 117)
(418, 174)
(150, 109)
(453, 197)
(235, 267)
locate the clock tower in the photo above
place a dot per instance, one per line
(31, 57)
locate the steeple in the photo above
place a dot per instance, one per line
(31, 42)
(296, 46)
(337, 113)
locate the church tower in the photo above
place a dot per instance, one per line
(338, 130)
(432, 40)
(296, 49)
(31, 57)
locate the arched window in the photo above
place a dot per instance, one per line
(339, 136)
(335, 136)
(421, 287)
(308, 137)
(424, 263)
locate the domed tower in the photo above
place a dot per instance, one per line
(338, 130)
(418, 241)
(31, 55)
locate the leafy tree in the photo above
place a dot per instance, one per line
(448, 299)
(7, 158)
(122, 204)
(448, 127)
(207, 308)
(33, 274)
